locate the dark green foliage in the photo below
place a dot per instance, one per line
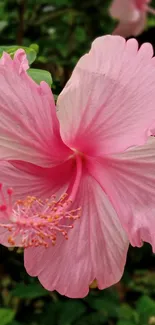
(131, 302)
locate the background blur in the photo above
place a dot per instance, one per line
(64, 29)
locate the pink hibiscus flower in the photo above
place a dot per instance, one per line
(132, 15)
(95, 155)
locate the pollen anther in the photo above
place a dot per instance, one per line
(33, 222)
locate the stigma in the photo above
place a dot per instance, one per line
(33, 222)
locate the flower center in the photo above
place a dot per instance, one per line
(33, 222)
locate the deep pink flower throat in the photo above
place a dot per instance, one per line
(35, 222)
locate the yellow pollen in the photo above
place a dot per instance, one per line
(37, 222)
(11, 241)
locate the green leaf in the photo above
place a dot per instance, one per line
(35, 47)
(126, 322)
(30, 291)
(128, 314)
(93, 318)
(3, 24)
(40, 75)
(145, 309)
(6, 315)
(51, 313)
(102, 305)
(30, 52)
(71, 311)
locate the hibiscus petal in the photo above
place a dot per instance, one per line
(30, 180)
(127, 29)
(129, 181)
(125, 10)
(108, 104)
(142, 4)
(29, 129)
(96, 248)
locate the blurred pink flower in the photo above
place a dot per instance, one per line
(97, 150)
(132, 16)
